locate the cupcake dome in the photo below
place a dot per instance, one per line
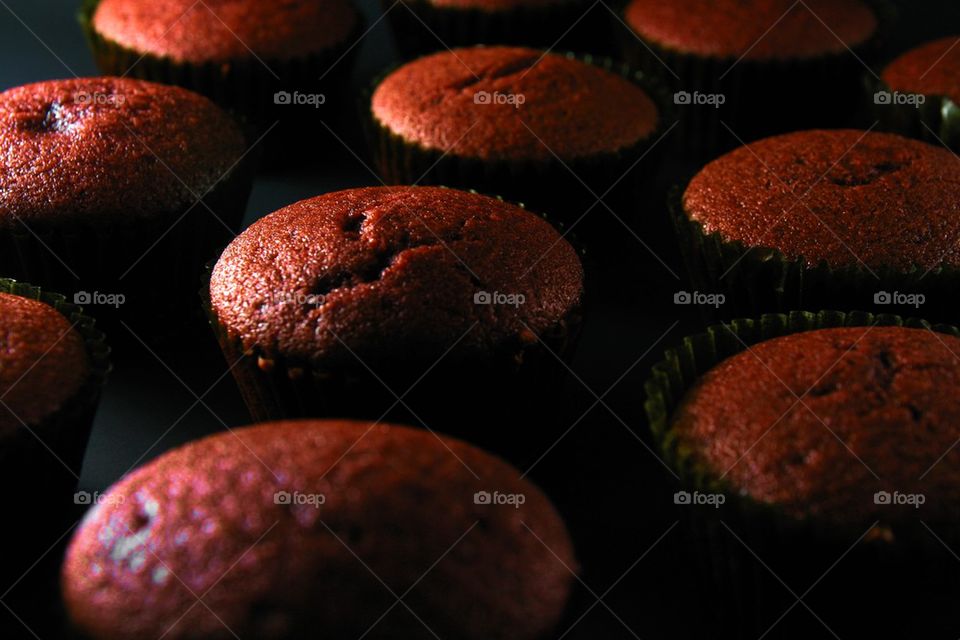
(513, 104)
(753, 29)
(294, 529)
(931, 69)
(321, 282)
(102, 150)
(226, 30)
(842, 197)
(879, 412)
(43, 363)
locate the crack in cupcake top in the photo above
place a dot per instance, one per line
(109, 147)
(513, 104)
(880, 406)
(838, 196)
(226, 30)
(931, 69)
(753, 29)
(43, 362)
(349, 267)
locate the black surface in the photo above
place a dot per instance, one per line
(614, 492)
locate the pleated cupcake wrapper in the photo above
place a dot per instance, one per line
(546, 186)
(421, 27)
(936, 121)
(65, 432)
(247, 88)
(761, 279)
(287, 389)
(168, 257)
(756, 92)
(743, 595)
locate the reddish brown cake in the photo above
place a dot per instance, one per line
(109, 148)
(513, 104)
(932, 69)
(841, 196)
(753, 29)
(391, 274)
(43, 362)
(226, 30)
(879, 411)
(307, 529)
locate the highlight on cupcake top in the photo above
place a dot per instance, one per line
(931, 69)
(293, 529)
(753, 29)
(226, 30)
(514, 104)
(109, 147)
(43, 362)
(325, 279)
(879, 414)
(843, 197)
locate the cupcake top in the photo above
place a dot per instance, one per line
(930, 69)
(426, 266)
(290, 527)
(109, 148)
(753, 29)
(841, 196)
(879, 407)
(226, 30)
(43, 362)
(508, 103)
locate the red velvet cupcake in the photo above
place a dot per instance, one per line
(298, 529)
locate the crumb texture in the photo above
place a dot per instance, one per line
(397, 517)
(931, 69)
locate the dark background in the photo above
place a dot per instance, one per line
(614, 493)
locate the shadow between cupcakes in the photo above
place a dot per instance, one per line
(743, 555)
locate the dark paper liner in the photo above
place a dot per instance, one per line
(30, 461)
(506, 402)
(546, 186)
(159, 291)
(878, 581)
(936, 121)
(756, 280)
(762, 98)
(420, 27)
(248, 87)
